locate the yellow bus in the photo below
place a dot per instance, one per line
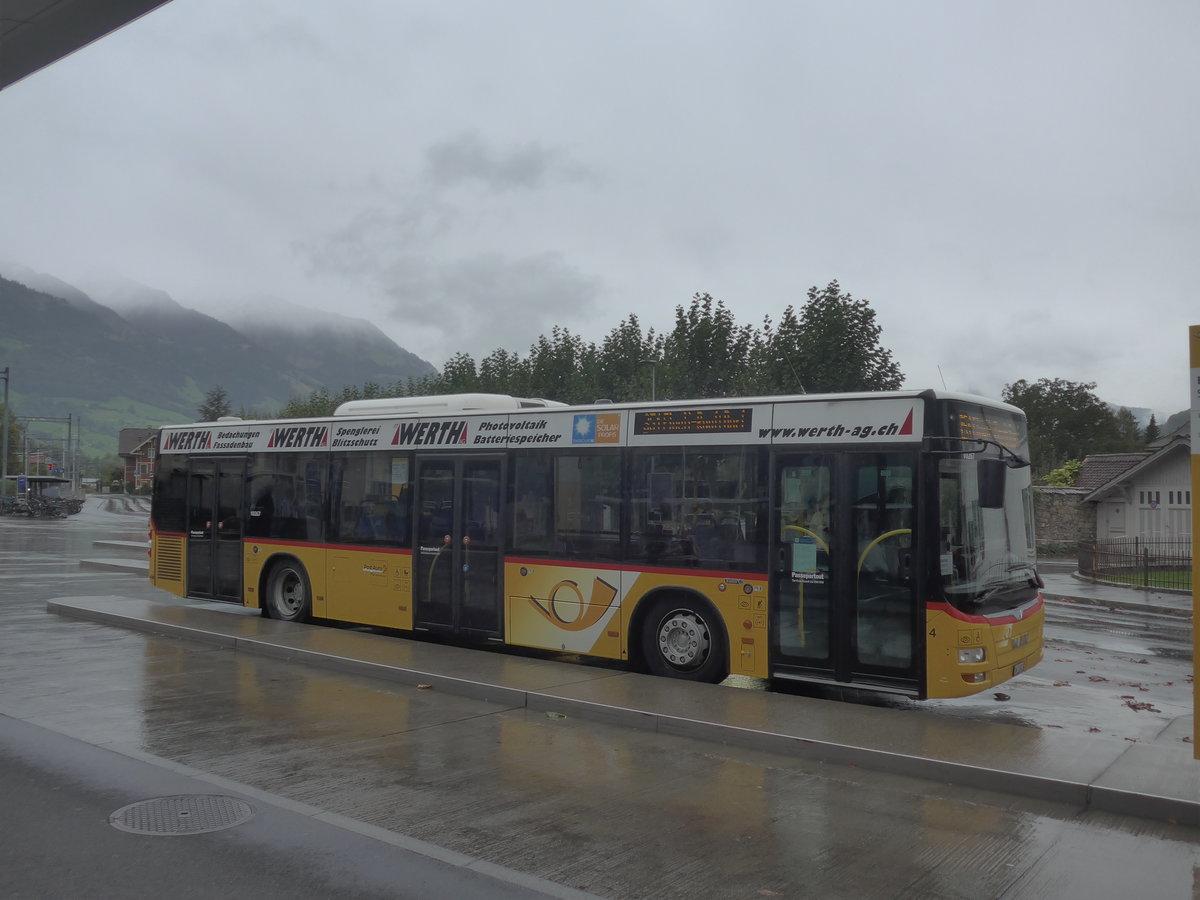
(876, 541)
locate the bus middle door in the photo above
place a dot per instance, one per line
(459, 541)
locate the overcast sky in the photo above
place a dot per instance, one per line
(1012, 185)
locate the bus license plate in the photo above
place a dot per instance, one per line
(1019, 668)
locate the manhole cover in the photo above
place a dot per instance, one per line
(183, 814)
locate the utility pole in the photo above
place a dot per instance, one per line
(653, 378)
(4, 438)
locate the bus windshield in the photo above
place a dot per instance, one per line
(988, 552)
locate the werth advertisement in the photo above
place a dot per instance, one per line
(846, 421)
(526, 430)
(889, 420)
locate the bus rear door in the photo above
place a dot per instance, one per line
(459, 538)
(216, 513)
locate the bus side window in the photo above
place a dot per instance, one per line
(531, 509)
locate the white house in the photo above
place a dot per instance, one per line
(1144, 495)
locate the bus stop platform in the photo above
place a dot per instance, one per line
(1157, 779)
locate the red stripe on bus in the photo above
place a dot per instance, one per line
(637, 569)
(954, 613)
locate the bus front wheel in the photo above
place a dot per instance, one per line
(682, 638)
(289, 596)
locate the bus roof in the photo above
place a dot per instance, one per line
(440, 403)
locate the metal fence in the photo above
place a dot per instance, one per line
(1160, 564)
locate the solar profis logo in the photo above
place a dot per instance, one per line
(596, 428)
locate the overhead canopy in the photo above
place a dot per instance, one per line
(35, 33)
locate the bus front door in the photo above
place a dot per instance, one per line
(844, 571)
(804, 577)
(216, 511)
(458, 548)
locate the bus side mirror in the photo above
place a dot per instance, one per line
(991, 482)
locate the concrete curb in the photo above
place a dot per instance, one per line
(1131, 604)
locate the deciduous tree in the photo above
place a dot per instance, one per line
(838, 347)
(1066, 420)
(706, 352)
(628, 363)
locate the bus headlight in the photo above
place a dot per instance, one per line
(968, 655)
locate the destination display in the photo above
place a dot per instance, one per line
(693, 421)
(993, 425)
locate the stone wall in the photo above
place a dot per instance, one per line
(1062, 520)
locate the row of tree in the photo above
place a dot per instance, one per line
(832, 343)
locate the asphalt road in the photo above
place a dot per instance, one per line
(366, 789)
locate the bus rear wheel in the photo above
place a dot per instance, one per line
(289, 596)
(683, 639)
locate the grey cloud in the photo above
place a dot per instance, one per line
(366, 245)
(468, 158)
(489, 301)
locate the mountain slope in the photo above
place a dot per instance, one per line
(348, 351)
(142, 360)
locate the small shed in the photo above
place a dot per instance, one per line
(1145, 495)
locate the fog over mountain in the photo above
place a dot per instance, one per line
(117, 354)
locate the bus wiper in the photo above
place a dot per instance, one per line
(1011, 459)
(1003, 585)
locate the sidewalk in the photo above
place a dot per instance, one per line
(1155, 779)
(1064, 586)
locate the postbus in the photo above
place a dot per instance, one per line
(874, 541)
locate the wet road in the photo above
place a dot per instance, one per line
(615, 812)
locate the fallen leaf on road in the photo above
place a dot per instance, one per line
(1138, 707)
(1097, 678)
(424, 687)
(1062, 684)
